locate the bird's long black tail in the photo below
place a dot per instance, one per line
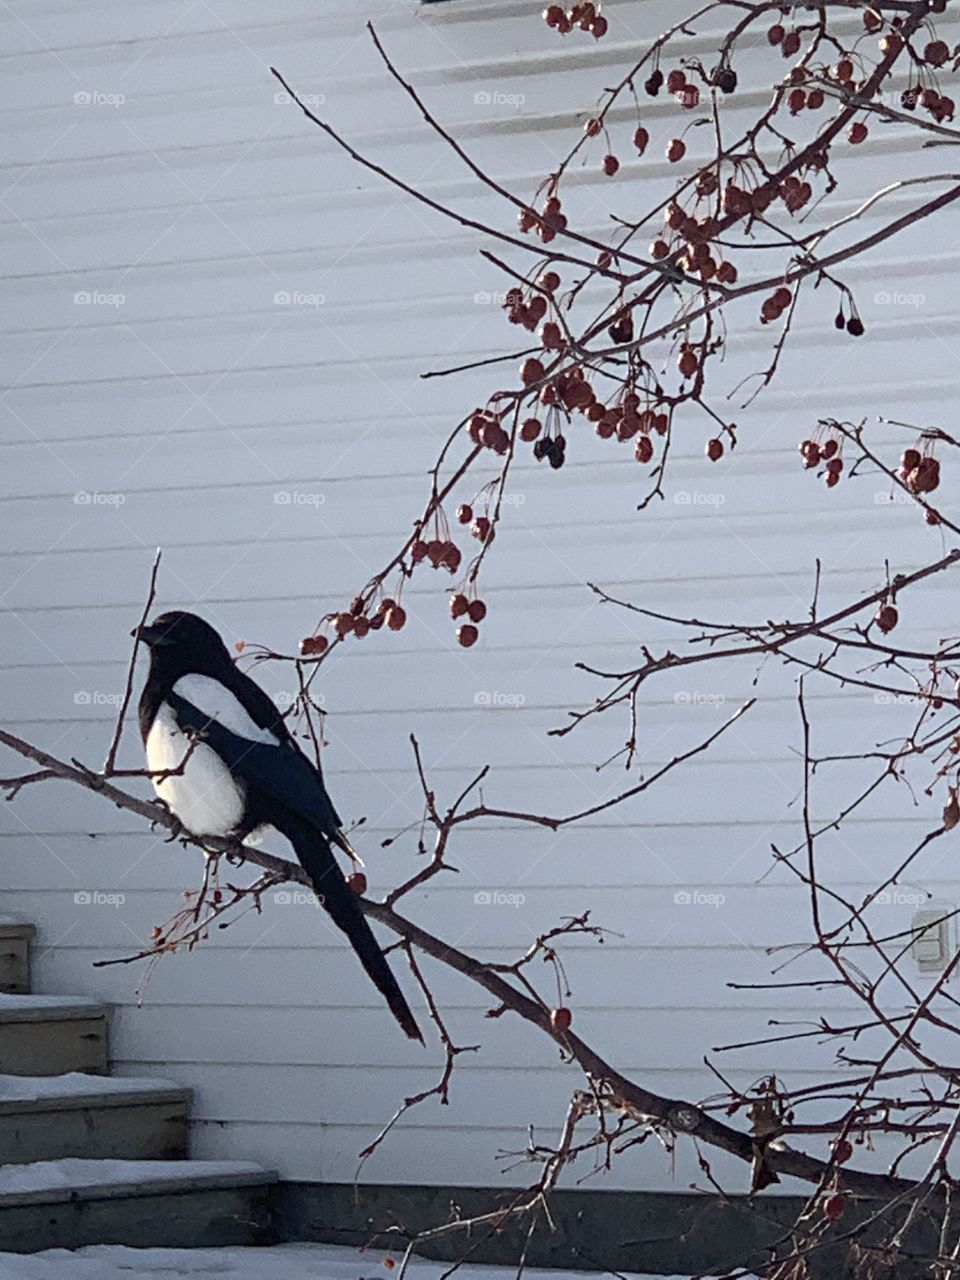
(317, 859)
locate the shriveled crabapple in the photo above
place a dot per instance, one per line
(887, 618)
(676, 150)
(641, 138)
(688, 364)
(482, 529)
(714, 449)
(529, 430)
(857, 132)
(467, 635)
(459, 604)
(464, 513)
(476, 610)
(549, 281)
(357, 882)
(774, 35)
(644, 449)
(396, 617)
(611, 165)
(313, 646)
(560, 1020)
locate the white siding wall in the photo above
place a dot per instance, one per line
(199, 399)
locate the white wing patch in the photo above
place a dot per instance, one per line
(218, 703)
(205, 796)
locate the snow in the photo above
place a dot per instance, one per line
(50, 1175)
(283, 1262)
(75, 1084)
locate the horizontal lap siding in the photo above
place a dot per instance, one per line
(200, 401)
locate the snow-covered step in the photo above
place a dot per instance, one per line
(51, 1035)
(15, 939)
(93, 1117)
(65, 1204)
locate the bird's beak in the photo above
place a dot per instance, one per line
(151, 635)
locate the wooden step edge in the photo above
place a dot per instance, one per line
(183, 1183)
(17, 929)
(52, 1013)
(101, 1099)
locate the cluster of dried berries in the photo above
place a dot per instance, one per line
(828, 452)
(486, 430)
(920, 472)
(773, 307)
(357, 621)
(553, 448)
(473, 611)
(443, 553)
(937, 104)
(689, 239)
(547, 222)
(481, 527)
(586, 16)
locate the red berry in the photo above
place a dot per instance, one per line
(782, 298)
(842, 1150)
(714, 449)
(313, 646)
(641, 138)
(610, 165)
(459, 604)
(357, 882)
(844, 70)
(796, 101)
(936, 53)
(550, 335)
(887, 618)
(815, 99)
(361, 627)
(482, 529)
(560, 1020)
(529, 430)
(549, 281)
(676, 150)
(531, 371)
(476, 610)
(790, 44)
(464, 513)
(857, 132)
(776, 33)
(676, 80)
(833, 1206)
(644, 450)
(828, 449)
(467, 635)
(418, 551)
(554, 16)
(599, 27)
(396, 616)
(688, 364)
(592, 127)
(659, 249)
(343, 624)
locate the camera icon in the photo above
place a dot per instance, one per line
(82, 99)
(682, 898)
(281, 299)
(482, 98)
(81, 299)
(282, 898)
(282, 99)
(82, 898)
(482, 899)
(481, 698)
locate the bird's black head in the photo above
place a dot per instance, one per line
(180, 643)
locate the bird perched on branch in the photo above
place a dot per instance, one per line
(236, 769)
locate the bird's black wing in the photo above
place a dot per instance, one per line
(281, 773)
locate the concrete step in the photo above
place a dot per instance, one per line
(15, 939)
(91, 1117)
(52, 1035)
(173, 1204)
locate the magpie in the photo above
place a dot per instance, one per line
(233, 769)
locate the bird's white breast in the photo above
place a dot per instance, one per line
(204, 796)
